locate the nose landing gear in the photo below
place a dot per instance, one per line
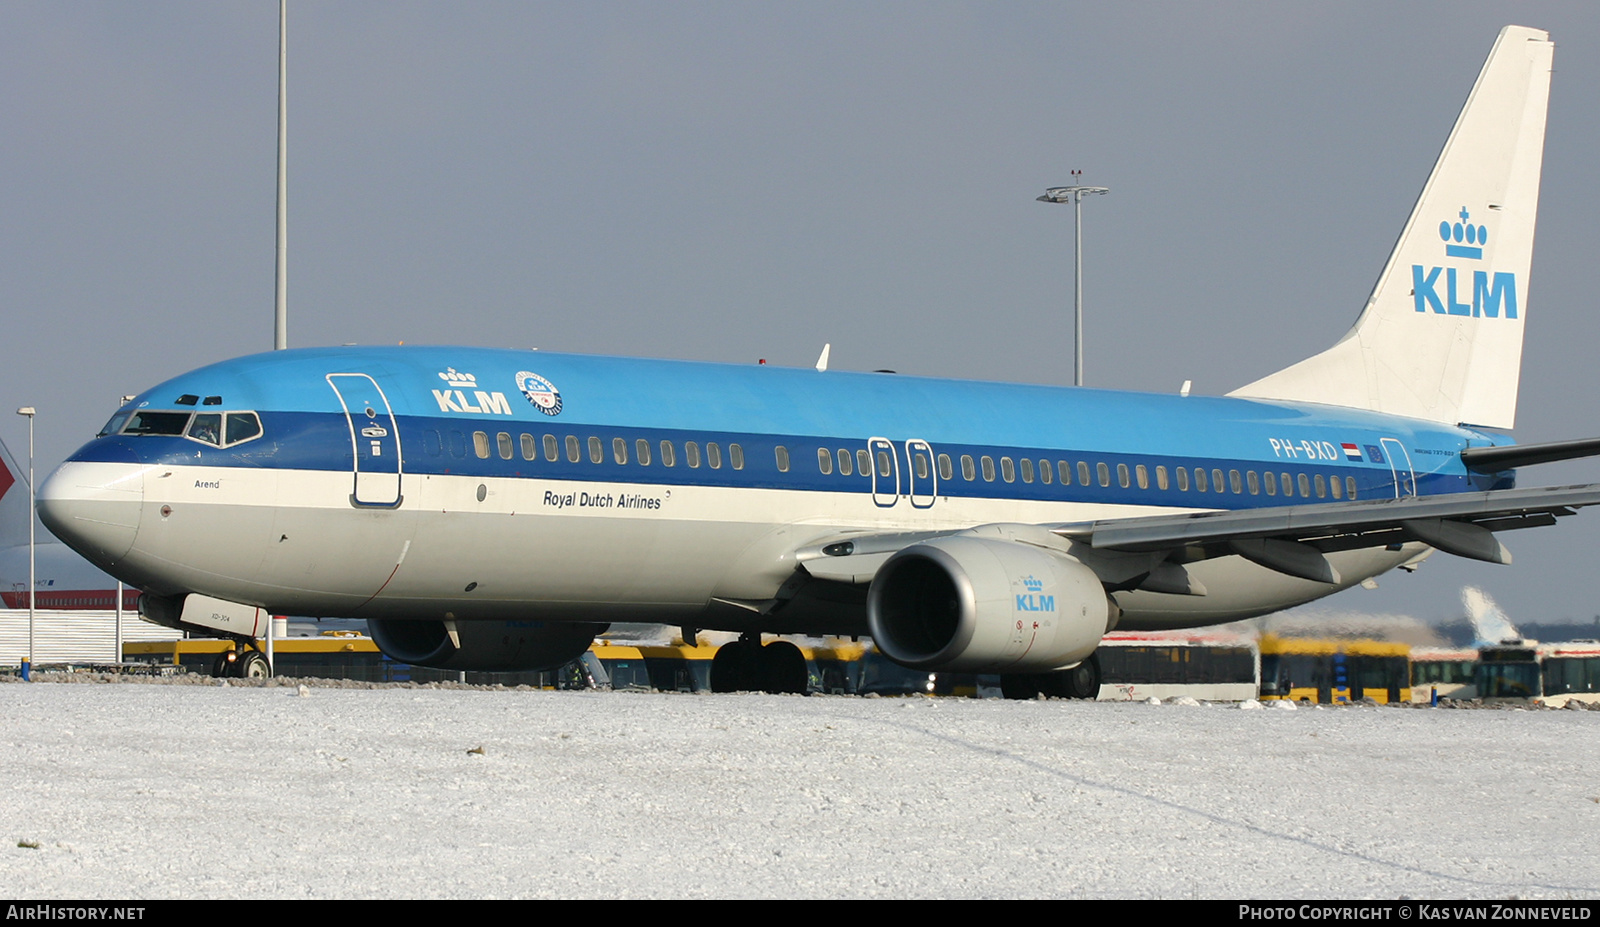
(243, 662)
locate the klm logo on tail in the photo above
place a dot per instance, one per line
(1463, 239)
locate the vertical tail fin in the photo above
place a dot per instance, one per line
(13, 501)
(1440, 337)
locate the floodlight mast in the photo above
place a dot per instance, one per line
(33, 581)
(1074, 194)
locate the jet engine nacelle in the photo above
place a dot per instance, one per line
(983, 605)
(484, 646)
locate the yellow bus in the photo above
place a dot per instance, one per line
(1331, 672)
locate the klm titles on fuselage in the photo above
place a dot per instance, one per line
(1490, 295)
(601, 500)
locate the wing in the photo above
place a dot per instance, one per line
(1291, 539)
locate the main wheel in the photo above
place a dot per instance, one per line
(783, 669)
(1083, 680)
(732, 668)
(221, 668)
(1019, 685)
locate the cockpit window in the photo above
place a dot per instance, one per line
(218, 429)
(157, 423)
(115, 425)
(242, 426)
(206, 428)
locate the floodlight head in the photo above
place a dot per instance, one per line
(26, 410)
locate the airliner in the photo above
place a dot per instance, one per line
(495, 509)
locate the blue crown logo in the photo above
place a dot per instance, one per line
(1033, 584)
(1463, 239)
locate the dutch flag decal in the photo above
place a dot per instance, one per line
(1351, 452)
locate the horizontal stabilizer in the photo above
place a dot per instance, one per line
(1510, 457)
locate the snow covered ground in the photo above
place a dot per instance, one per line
(164, 791)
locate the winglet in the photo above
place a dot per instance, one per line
(822, 361)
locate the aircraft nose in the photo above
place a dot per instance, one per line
(93, 506)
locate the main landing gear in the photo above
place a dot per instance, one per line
(242, 662)
(1081, 681)
(746, 665)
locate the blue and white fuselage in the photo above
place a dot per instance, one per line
(382, 477)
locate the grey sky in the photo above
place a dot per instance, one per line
(743, 180)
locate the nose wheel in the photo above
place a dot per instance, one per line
(245, 662)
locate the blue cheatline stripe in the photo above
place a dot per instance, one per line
(445, 446)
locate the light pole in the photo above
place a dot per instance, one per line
(33, 585)
(1074, 194)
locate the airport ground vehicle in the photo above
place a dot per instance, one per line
(1210, 667)
(1334, 671)
(1551, 674)
(1443, 673)
(340, 655)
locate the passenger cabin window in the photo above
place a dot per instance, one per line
(969, 469)
(503, 442)
(1234, 485)
(988, 468)
(1199, 479)
(1337, 485)
(641, 450)
(1122, 475)
(1322, 487)
(691, 454)
(552, 448)
(781, 455)
(619, 450)
(713, 455)
(572, 448)
(846, 462)
(1254, 481)
(885, 465)
(1183, 479)
(946, 469)
(864, 463)
(1045, 473)
(736, 457)
(1161, 478)
(1083, 473)
(1350, 486)
(1008, 470)
(597, 451)
(824, 461)
(1104, 472)
(1305, 486)
(669, 457)
(1142, 475)
(530, 448)
(1216, 480)
(480, 443)
(1027, 469)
